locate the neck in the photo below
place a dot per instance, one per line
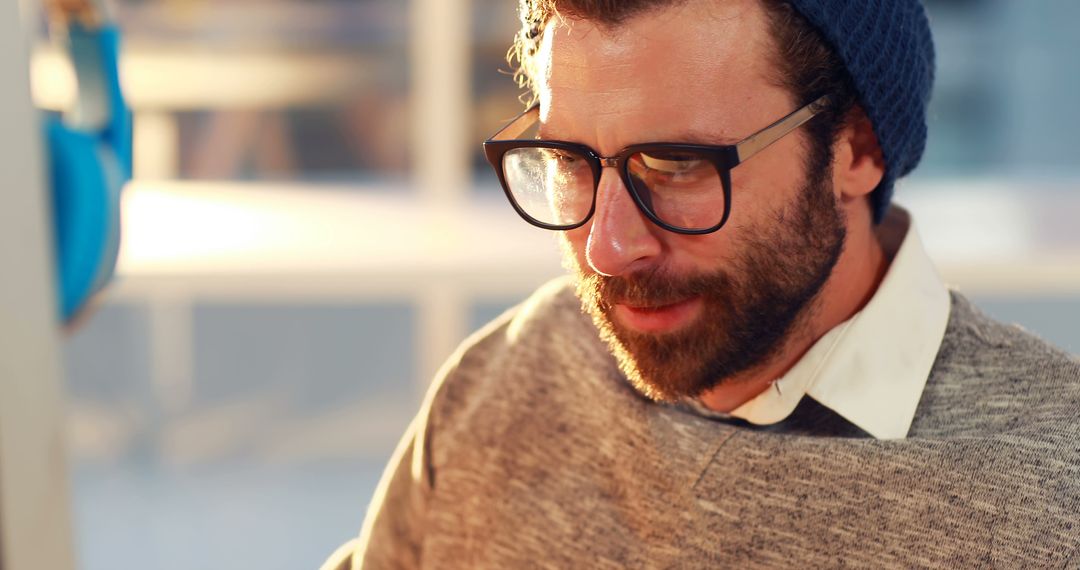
(852, 284)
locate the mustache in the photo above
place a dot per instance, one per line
(653, 288)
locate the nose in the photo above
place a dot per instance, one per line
(621, 238)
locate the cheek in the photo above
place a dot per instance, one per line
(766, 184)
(573, 243)
(703, 254)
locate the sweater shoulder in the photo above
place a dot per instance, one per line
(542, 352)
(547, 325)
(979, 342)
(993, 376)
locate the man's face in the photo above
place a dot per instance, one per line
(684, 313)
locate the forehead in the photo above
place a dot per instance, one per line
(685, 68)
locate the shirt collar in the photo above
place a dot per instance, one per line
(872, 368)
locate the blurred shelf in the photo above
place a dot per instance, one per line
(229, 239)
(259, 240)
(198, 78)
(341, 23)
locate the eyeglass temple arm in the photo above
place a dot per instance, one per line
(757, 142)
(518, 126)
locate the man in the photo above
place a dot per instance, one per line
(760, 366)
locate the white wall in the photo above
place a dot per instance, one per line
(34, 505)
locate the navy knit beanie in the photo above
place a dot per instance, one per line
(889, 52)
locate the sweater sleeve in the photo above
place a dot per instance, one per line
(397, 522)
(393, 530)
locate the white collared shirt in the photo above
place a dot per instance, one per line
(872, 368)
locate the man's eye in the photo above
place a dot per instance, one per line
(672, 163)
(562, 156)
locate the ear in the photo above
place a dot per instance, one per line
(858, 165)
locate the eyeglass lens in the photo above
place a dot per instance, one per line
(553, 186)
(556, 186)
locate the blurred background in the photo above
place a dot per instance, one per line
(312, 230)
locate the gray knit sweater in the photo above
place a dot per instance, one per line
(532, 452)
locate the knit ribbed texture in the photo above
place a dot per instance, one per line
(889, 52)
(533, 451)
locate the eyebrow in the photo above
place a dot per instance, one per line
(706, 139)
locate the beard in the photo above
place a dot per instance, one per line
(749, 308)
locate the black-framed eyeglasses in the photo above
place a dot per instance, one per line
(683, 188)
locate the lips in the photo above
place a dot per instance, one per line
(657, 318)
